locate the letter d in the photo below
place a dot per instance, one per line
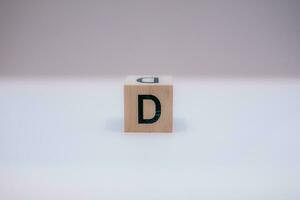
(141, 119)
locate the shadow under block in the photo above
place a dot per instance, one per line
(148, 104)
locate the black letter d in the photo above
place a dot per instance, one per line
(148, 80)
(141, 109)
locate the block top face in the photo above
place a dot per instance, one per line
(148, 80)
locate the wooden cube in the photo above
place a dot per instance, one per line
(148, 104)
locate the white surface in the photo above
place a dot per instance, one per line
(233, 139)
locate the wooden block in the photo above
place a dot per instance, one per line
(148, 104)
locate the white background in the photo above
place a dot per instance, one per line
(236, 122)
(232, 139)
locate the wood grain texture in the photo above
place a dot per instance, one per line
(163, 91)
